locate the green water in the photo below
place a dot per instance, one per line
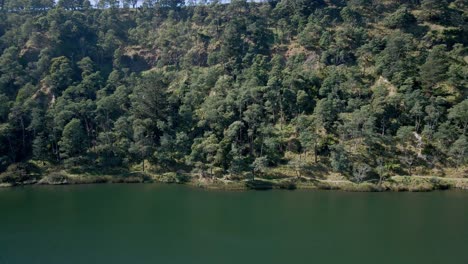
(177, 224)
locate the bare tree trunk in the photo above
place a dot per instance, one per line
(381, 177)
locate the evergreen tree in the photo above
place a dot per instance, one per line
(74, 140)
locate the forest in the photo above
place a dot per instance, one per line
(363, 89)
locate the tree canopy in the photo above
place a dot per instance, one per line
(235, 89)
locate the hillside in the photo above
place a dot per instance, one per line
(355, 90)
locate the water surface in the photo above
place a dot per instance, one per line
(176, 224)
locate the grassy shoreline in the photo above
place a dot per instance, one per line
(392, 184)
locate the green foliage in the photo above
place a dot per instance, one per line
(459, 150)
(360, 171)
(74, 139)
(402, 18)
(434, 70)
(259, 165)
(20, 172)
(459, 114)
(339, 159)
(434, 10)
(60, 73)
(396, 62)
(234, 88)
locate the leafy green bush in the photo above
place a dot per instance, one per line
(20, 172)
(402, 18)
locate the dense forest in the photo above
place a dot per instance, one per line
(361, 88)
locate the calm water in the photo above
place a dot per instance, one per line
(176, 224)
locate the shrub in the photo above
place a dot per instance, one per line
(55, 178)
(400, 19)
(288, 185)
(20, 172)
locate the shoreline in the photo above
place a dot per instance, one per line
(393, 184)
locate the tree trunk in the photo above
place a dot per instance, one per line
(23, 133)
(315, 153)
(383, 127)
(251, 146)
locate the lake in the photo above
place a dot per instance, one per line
(152, 223)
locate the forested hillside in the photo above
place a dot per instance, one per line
(361, 88)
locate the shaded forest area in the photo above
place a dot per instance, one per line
(361, 88)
